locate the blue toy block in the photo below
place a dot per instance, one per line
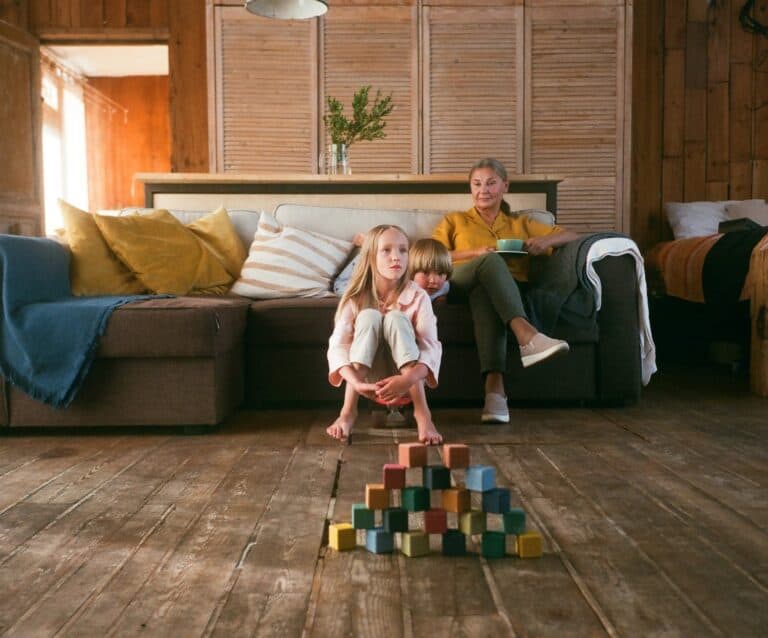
(395, 519)
(436, 477)
(480, 478)
(494, 544)
(454, 543)
(514, 521)
(416, 499)
(362, 517)
(377, 541)
(496, 500)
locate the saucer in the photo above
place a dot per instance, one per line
(512, 252)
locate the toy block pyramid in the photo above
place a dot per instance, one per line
(455, 499)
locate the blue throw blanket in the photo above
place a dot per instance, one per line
(48, 337)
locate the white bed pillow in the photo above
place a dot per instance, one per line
(754, 209)
(284, 261)
(695, 219)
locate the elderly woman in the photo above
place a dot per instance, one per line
(493, 288)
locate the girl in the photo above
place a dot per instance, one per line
(384, 342)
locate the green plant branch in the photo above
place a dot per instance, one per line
(365, 124)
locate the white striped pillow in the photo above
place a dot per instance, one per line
(289, 262)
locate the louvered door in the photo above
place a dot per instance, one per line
(575, 96)
(265, 74)
(375, 46)
(473, 76)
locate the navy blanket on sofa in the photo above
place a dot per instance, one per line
(48, 337)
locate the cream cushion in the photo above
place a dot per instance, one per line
(754, 209)
(284, 261)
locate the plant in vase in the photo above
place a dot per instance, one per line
(366, 124)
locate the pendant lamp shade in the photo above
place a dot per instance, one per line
(287, 9)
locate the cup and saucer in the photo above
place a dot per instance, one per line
(510, 247)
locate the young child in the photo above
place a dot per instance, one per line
(384, 342)
(429, 265)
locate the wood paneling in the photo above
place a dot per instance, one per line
(122, 143)
(714, 109)
(15, 12)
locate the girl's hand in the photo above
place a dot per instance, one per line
(392, 388)
(368, 390)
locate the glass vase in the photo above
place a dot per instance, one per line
(338, 159)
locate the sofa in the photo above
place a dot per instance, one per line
(193, 361)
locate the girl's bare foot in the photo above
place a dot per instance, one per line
(428, 434)
(340, 429)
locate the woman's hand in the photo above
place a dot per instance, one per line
(537, 245)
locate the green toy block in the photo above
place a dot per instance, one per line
(342, 536)
(362, 517)
(416, 498)
(436, 477)
(494, 544)
(454, 543)
(514, 521)
(496, 500)
(415, 543)
(395, 519)
(472, 522)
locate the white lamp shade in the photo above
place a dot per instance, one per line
(287, 9)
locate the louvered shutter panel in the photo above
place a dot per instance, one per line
(473, 79)
(265, 106)
(375, 46)
(575, 93)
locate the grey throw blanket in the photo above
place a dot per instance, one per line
(560, 291)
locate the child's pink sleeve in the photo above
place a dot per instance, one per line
(339, 344)
(430, 348)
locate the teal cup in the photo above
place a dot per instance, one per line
(504, 245)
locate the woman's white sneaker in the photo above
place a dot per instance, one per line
(495, 409)
(541, 347)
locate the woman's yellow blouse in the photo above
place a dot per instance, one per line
(467, 231)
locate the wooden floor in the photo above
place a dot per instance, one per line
(655, 520)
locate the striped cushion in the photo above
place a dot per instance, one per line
(290, 262)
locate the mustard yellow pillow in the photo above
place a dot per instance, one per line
(218, 234)
(164, 255)
(94, 269)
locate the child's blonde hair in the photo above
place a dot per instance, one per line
(362, 289)
(429, 255)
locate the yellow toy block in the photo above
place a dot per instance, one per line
(472, 522)
(528, 545)
(415, 543)
(376, 496)
(456, 500)
(342, 536)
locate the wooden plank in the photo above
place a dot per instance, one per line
(718, 139)
(674, 25)
(674, 103)
(694, 172)
(719, 46)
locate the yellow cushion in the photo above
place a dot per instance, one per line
(218, 234)
(164, 255)
(94, 269)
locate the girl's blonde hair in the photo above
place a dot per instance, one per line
(429, 255)
(362, 289)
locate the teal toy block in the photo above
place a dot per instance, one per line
(480, 478)
(494, 544)
(514, 521)
(496, 500)
(394, 476)
(415, 544)
(395, 519)
(436, 477)
(362, 517)
(435, 521)
(416, 499)
(454, 543)
(379, 541)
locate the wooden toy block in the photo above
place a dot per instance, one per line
(362, 517)
(342, 536)
(435, 521)
(454, 543)
(456, 455)
(457, 500)
(416, 498)
(415, 544)
(394, 476)
(480, 478)
(436, 477)
(496, 500)
(514, 521)
(528, 545)
(412, 454)
(376, 496)
(472, 522)
(494, 544)
(395, 519)
(377, 541)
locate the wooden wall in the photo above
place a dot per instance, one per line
(123, 143)
(700, 108)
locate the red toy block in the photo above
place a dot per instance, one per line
(376, 496)
(455, 455)
(412, 454)
(435, 521)
(394, 476)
